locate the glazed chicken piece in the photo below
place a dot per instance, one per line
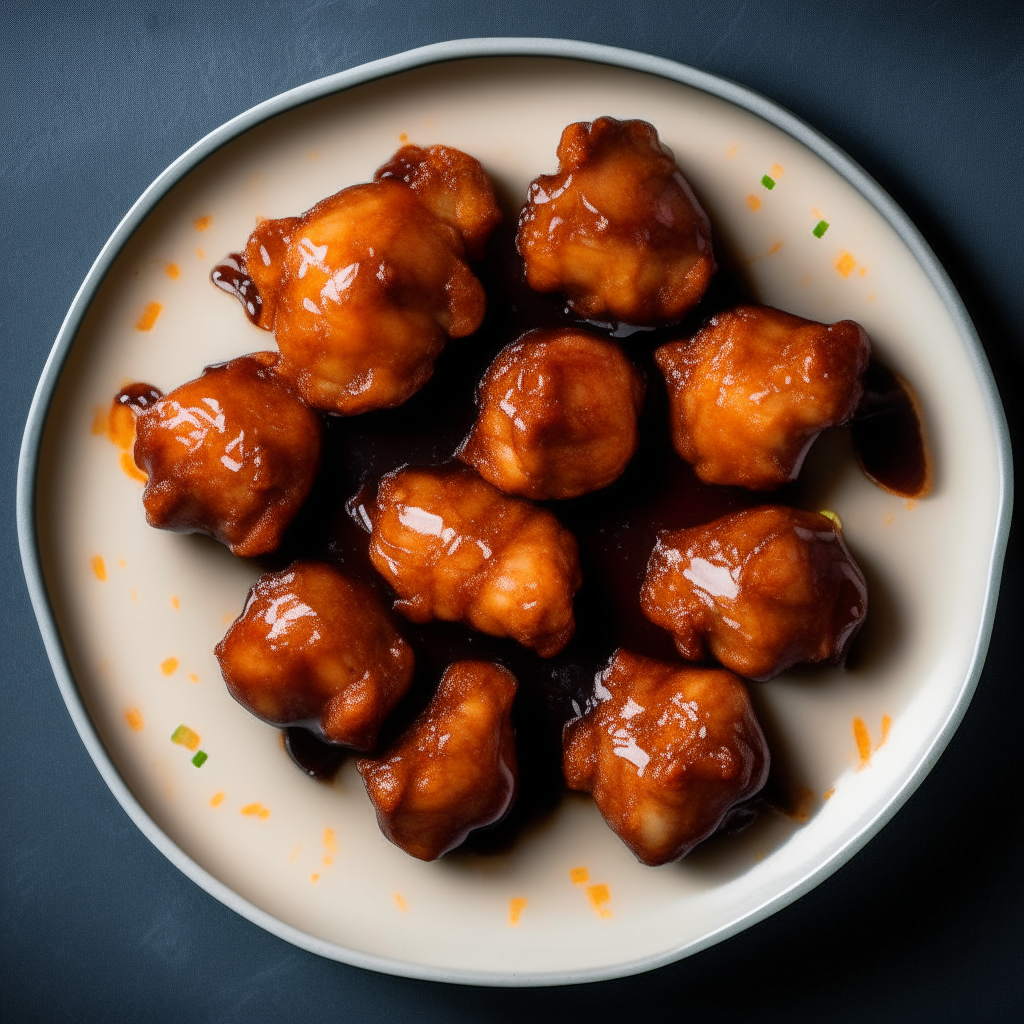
(455, 548)
(759, 590)
(618, 228)
(313, 648)
(557, 416)
(453, 186)
(666, 751)
(750, 393)
(232, 454)
(364, 290)
(263, 259)
(454, 769)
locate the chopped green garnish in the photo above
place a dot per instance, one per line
(820, 228)
(834, 517)
(185, 737)
(769, 183)
(200, 759)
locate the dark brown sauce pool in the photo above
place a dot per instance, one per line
(888, 435)
(615, 527)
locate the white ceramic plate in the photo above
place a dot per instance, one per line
(130, 615)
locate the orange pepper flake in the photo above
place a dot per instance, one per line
(863, 738)
(400, 903)
(777, 171)
(169, 666)
(99, 567)
(403, 137)
(175, 603)
(202, 223)
(844, 264)
(516, 906)
(775, 248)
(579, 876)
(118, 423)
(314, 878)
(133, 716)
(886, 726)
(256, 810)
(753, 202)
(828, 794)
(910, 505)
(201, 254)
(193, 678)
(130, 469)
(122, 564)
(217, 799)
(599, 896)
(330, 846)
(731, 152)
(173, 271)
(185, 737)
(888, 519)
(863, 272)
(149, 316)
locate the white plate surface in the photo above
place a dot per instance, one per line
(315, 869)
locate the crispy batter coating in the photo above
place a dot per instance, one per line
(311, 647)
(263, 258)
(754, 388)
(451, 184)
(373, 286)
(618, 228)
(232, 454)
(759, 590)
(557, 415)
(454, 769)
(455, 548)
(364, 290)
(666, 751)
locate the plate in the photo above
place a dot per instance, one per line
(130, 615)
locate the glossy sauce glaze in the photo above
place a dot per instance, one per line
(230, 276)
(616, 529)
(888, 435)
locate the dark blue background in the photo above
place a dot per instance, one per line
(924, 924)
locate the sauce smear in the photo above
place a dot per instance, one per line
(231, 276)
(888, 435)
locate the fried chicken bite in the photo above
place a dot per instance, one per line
(754, 388)
(232, 454)
(263, 259)
(454, 769)
(313, 648)
(455, 548)
(666, 751)
(453, 186)
(758, 590)
(364, 290)
(557, 415)
(618, 228)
